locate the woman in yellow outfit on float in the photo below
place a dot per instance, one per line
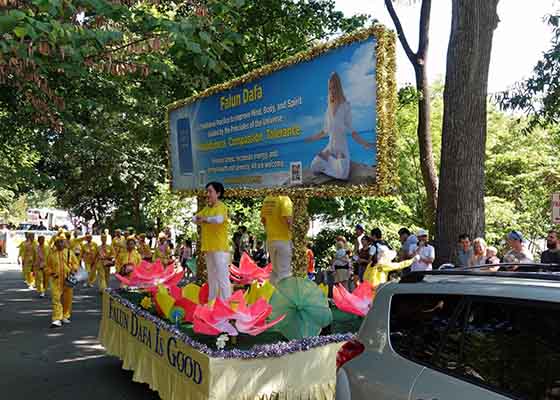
(104, 262)
(26, 258)
(60, 263)
(214, 222)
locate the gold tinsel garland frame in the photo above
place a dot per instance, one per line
(386, 100)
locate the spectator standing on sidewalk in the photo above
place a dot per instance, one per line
(552, 254)
(3, 240)
(464, 251)
(409, 242)
(425, 253)
(479, 253)
(518, 253)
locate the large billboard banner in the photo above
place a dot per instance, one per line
(308, 124)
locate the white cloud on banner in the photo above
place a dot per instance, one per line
(358, 77)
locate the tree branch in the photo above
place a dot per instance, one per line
(423, 36)
(402, 37)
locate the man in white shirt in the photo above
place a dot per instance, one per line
(424, 255)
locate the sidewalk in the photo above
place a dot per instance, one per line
(38, 362)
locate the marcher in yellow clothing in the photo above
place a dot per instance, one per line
(163, 250)
(89, 255)
(213, 220)
(118, 243)
(26, 258)
(128, 259)
(144, 248)
(53, 239)
(41, 280)
(60, 263)
(276, 216)
(105, 261)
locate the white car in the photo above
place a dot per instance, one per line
(460, 335)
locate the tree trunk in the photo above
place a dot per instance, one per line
(461, 195)
(419, 61)
(427, 165)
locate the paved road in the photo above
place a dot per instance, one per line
(37, 362)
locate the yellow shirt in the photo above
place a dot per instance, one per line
(127, 257)
(104, 255)
(274, 211)
(89, 252)
(214, 237)
(145, 250)
(28, 253)
(119, 245)
(60, 264)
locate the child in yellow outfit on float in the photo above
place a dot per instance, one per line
(26, 258)
(89, 255)
(104, 262)
(60, 263)
(39, 266)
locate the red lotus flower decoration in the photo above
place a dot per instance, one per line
(358, 302)
(149, 275)
(234, 316)
(249, 271)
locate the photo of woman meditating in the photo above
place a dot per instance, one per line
(334, 160)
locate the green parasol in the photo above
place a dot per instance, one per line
(191, 264)
(306, 308)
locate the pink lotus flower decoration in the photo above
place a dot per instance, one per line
(234, 316)
(249, 271)
(358, 302)
(149, 275)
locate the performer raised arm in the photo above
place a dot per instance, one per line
(213, 220)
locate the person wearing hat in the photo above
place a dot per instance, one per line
(214, 222)
(118, 243)
(518, 253)
(128, 259)
(89, 255)
(276, 216)
(163, 251)
(144, 248)
(26, 258)
(425, 253)
(60, 264)
(39, 266)
(104, 262)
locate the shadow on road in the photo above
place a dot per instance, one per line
(37, 361)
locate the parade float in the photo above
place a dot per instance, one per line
(253, 134)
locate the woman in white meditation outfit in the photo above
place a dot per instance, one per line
(334, 160)
(213, 220)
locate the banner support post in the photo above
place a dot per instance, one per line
(300, 227)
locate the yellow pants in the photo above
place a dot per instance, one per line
(40, 280)
(104, 276)
(61, 301)
(28, 274)
(92, 273)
